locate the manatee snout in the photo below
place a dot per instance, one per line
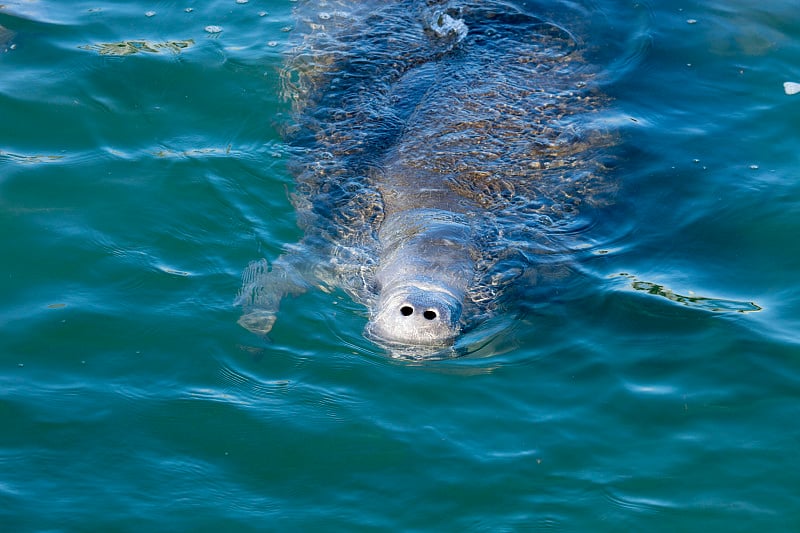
(414, 315)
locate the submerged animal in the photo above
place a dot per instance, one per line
(440, 148)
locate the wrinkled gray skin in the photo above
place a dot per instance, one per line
(435, 140)
(424, 274)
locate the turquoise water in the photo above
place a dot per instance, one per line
(141, 169)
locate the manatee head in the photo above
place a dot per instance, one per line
(416, 313)
(424, 272)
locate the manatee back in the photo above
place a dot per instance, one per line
(494, 109)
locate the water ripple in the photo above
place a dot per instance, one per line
(638, 504)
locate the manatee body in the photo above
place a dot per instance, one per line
(439, 148)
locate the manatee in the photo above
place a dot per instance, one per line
(441, 150)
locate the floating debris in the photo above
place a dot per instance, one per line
(126, 48)
(174, 272)
(150, 14)
(193, 152)
(791, 87)
(715, 305)
(29, 159)
(213, 29)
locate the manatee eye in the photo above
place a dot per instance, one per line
(429, 314)
(406, 310)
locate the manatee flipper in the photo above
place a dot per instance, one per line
(264, 287)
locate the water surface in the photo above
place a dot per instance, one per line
(141, 169)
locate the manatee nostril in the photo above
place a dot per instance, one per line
(406, 310)
(429, 314)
